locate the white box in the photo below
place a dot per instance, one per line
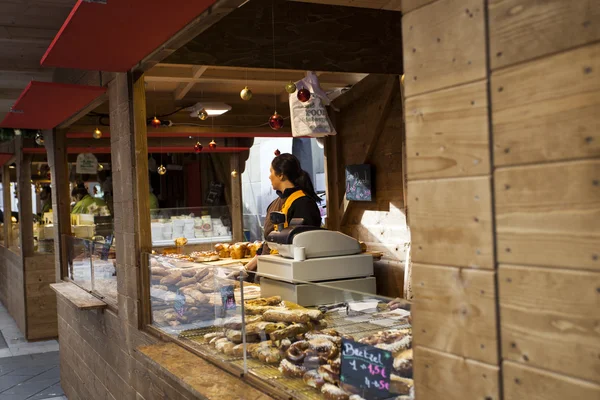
(316, 269)
(314, 295)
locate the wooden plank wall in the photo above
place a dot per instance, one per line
(370, 129)
(503, 166)
(12, 289)
(41, 300)
(545, 97)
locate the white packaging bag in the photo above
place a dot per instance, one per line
(310, 119)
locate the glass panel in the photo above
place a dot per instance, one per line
(326, 341)
(79, 261)
(198, 225)
(104, 262)
(200, 305)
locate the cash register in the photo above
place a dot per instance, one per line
(311, 264)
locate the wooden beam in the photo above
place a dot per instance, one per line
(392, 5)
(237, 212)
(25, 201)
(6, 201)
(55, 142)
(332, 178)
(184, 88)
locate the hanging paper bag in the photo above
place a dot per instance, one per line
(310, 118)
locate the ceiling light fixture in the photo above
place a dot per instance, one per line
(212, 109)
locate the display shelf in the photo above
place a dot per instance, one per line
(204, 240)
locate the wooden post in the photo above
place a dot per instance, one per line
(6, 200)
(56, 149)
(25, 204)
(332, 179)
(237, 212)
(129, 154)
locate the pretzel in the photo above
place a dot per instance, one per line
(313, 379)
(291, 370)
(332, 392)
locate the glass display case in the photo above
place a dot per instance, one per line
(355, 346)
(92, 266)
(198, 225)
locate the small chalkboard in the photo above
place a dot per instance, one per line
(228, 297)
(367, 369)
(359, 186)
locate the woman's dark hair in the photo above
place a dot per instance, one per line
(79, 191)
(288, 165)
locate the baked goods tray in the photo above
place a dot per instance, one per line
(349, 324)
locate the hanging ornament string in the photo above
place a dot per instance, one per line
(275, 120)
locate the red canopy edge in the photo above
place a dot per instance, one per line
(164, 149)
(44, 105)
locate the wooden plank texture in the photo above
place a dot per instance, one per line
(523, 29)
(41, 300)
(77, 296)
(522, 382)
(455, 311)
(392, 5)
(444, 376)
(410, 5)
(451, 222)
(547, 110)
(443, 45)
(6, 204)
(447, 133)
(549, 214)
(550, 319)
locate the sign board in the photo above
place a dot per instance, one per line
(87, 163)
(367, 368)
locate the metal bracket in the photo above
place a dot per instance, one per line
(96, 1)
(12, 110)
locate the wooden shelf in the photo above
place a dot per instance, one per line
(77, 296)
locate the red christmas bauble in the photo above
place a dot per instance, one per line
(198, 147)
(303, 95)
(155, 122)
(212, 145)
(276, 121)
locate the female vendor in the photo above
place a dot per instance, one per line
(296, 197)
(84, 201)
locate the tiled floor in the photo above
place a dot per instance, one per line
(28, 370)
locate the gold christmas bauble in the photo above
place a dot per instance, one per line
(203, 115)
(234, 174)
(97, 134)
(100, 167)
(290, 87)
(246, 93)
(162, 170)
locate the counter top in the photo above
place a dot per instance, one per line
(199, 375)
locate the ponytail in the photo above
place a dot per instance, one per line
(305, 184)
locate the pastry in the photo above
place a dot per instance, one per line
(315, 315)
(335, 339)
(395, 347)
(289, 331)
(160, 287)
(291, 370)
(236, 336)
(265, 352)
(238, 350)
(198, 296)
(296, 353)
(222, 249)
(403, 364)
(260, 310)
(171, 279)
(313, 379)
(237, 251)
(264, 327)
(400, 385)
(205, 256)
(236, 322)
(282, 315)
(180, 241)
(332, 392)
(202, 273)
(159, 271)
(224, 346)
(330, 373)
(266, 301)
(216, 340)
(186, 281)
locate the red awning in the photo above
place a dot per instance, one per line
(164, 149)
(4, 158)
(117, 35)
(44, 105)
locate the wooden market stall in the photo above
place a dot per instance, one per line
(25, 274)
(490, 162)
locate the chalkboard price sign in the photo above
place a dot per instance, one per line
(367, 368)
